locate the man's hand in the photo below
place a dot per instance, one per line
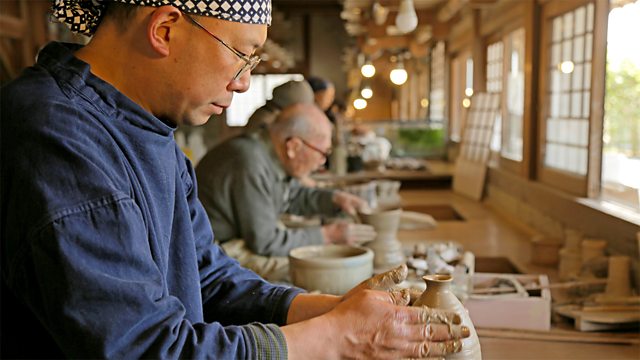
(349, 203)
(369, 325)
(345, 233)
(385, 281)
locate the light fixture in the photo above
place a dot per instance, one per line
(367, 69)
(424, 102)
(366, 92)
(468, 92)
(398, 75)
(359, 104)
(566, 67)
(466, 103)
(407, 19)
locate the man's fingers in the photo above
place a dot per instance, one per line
(433, 332)
(386, 280)
(400, 297)
(440, 332)
(427, 315)
(431, 349)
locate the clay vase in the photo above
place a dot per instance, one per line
(386, 248)
(438, 295)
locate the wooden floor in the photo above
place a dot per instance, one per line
(488, 234)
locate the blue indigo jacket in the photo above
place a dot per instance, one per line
(103, 237)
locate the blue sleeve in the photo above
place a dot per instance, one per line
(224, 281)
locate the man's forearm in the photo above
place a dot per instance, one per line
(312, 339)
(307, 306)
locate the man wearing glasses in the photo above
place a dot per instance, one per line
(248, 182)
(107, 252)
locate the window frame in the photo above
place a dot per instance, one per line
(588, 185)
(520, 14)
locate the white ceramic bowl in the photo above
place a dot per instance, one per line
(330, 269)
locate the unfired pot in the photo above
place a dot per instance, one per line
(438, 295)
(386, 247)
(331, 269)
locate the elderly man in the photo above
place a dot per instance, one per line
(247, 182)
(106, 250)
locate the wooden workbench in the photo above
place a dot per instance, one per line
(487, 234)
(435, 174)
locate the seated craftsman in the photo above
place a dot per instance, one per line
(247, 182)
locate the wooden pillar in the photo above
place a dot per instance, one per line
(478, 54)
(531, 75)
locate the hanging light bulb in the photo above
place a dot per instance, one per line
(366, 92)
(367, 69)
(407, 19)
(398, 75)
(359, 104)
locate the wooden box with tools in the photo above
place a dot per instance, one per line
(510, 301)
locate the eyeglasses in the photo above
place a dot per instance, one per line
(326, 154)
(250, 62)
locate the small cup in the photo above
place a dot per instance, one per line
(618, 280)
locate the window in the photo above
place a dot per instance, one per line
(621, 138)
(513, 113)
(261, 89)
(461, 91)
(494, 85)
(569, 68)
(494, 67)
(437, 91)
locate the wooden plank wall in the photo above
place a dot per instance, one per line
(23, 31)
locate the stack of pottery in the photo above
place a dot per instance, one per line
(386, 247)
(570, 257)
(438, 295)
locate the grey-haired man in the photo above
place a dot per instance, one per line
(104, 243)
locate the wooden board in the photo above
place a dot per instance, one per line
(471, 166)
(469, 178)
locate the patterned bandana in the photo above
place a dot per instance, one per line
(83, 16)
